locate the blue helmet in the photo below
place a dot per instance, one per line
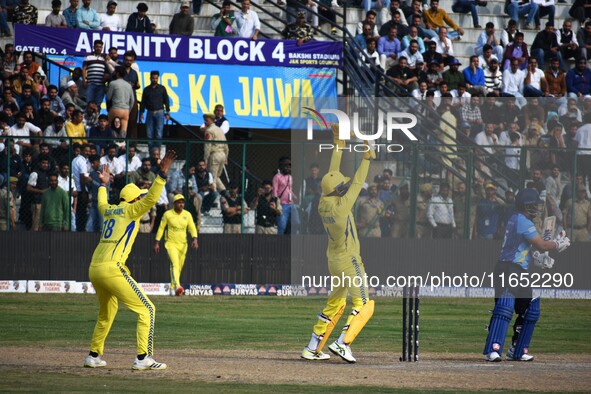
(527, 200)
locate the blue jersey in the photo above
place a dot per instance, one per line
(517, 243)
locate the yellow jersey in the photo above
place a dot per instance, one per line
(337, 216)
(176, 225)
(121, 223)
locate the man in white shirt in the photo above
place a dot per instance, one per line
(583, 137)
(534, 84)
(440, 213)
(65, 182)
(130, 160)
(110, 159)
(22, 128)
(513, 80)
(444, 45)
(110, 21)
(487, 138)
(248, 22)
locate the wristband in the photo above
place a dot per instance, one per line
(161, 175)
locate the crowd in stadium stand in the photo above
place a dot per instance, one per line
(545, 106)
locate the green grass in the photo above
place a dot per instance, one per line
(258, 323)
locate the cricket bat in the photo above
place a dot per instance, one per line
(549, 227)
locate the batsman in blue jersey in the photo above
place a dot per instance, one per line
(522, 246)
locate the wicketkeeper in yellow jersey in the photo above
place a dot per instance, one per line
(338, 197)
(176, 221)
(109, 274)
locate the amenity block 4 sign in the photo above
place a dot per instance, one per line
(186, 49)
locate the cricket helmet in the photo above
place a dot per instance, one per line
(527, 200)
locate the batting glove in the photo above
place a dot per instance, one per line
(543, 260)
(371, 152)
(562, 241)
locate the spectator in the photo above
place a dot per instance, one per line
(147, 221)
(401, 29)
(112, 58)
(471, 116)
(288, 221)
(75, 128)
(57, 138)
(94, 71)
(233, 209)
(516, 50)
(71, 96)
(25, 14)
(67, 184)
(488, 139)
(138, 22)
(519, 9)
(55, 19)
(268, 209)
(453, 77)
(569, 48)
(156, 101)
(369, 214)
(44, 117)
(444, 45)
(413, 34)
(8, 61)
(326, 11)
(583, 137)
(535, 84)
(580, 10)
(91, 114)
(413, 56)
(37, 184)
(440, 213)
(485, 58)
(578, 79)
(474, 77)
(70, 14)
(55, 208)
(206, 186)
(87, 16)
(545, 45)
(120, 99)
(469, 6)
(224, 23)
(81, 175)
(545, 7)
(402, 76)
(132, 77)
(513, 152)
(182, 23)
(370, 19)
(247, 22)
(381, 6)
(94, 223)
(27, 98)
(423, 228)
(388, 48)
(9, 216)
(300, 30)
(487, 37)
(25, 129)
(556, 80)
(76, 76)
(109, 21)
(436, 17)
(433, 76)
(577, 216)
(362, 38)
(24, 78)
(145, 172)
(554, 185)
(508, 34)
(513, 80)
(398, 213)
(101, 134)
(395, 6)
(488, 214)
(584, 39)
(493, 78)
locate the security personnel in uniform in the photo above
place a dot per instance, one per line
(215, 154)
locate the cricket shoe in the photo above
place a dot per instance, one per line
(180, 291)
(524, 357)
(310, 355)
(147, 363)
(493, 357)
(94, 362)
(343, 351)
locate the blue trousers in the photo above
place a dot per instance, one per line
(155, 128)
(290, 214)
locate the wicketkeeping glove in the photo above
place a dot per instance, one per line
(562, 241)
(543, 260)
(371, 153)
(335, 132)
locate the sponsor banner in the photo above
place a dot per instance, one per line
(291, 291)
(13, 286)
(49, 286)
(253, 97)
(198, 289)
(156, 288)
(185, 49)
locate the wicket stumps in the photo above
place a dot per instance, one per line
(410, 323)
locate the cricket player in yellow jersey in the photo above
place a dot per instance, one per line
(109, 274)
(344, 262)
(176, 221)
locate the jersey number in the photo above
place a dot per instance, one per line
(108, 228)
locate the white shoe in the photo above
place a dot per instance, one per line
(310, 355)
(343, 351)
(524, 357)
(94, 362)
(493, 357)
(147, 363)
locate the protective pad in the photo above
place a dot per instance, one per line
(331, 325)
(501, 317)
(527, 330)
(359, 321)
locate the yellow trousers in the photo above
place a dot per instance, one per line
(177, 254)
(113, 283)
(346, 270)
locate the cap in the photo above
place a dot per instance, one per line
(490, 186)
(178, 197)
(426, 188)
(205, 116)
(14, 179)
(70, 84)
(455, 62)
(130, 192)
(301, 14)
(185, 4)
(110, 3)
(586, 97)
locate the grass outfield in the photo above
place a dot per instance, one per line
(261, 323)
